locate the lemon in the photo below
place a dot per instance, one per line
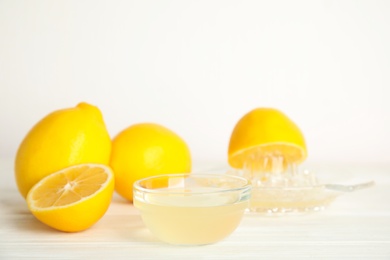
(63, 138)
(265, 133)
(145, 150)
(72, 199)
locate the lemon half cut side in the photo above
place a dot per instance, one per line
(72, 199)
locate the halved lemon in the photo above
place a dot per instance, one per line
(72, 199)
(265, 137)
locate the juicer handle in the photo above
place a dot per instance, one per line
(349, 188)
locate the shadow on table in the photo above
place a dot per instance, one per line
(121, 222)
(124, 220)
(14, 211)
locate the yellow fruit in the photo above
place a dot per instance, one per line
(145, 150)
(63, 138)
(72, 199)
(266, 132)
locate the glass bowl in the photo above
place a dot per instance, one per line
(192, 209)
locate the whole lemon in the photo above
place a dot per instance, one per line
(145, 150)
(266, 132)
(63, 138)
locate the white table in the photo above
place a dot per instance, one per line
(356, 225)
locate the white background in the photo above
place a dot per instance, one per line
(198, 66)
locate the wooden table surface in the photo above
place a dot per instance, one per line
(355, 226)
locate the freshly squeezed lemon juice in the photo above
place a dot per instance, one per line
(195, 223)
(194, 214)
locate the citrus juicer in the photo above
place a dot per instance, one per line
(288, 190)
(267, 148)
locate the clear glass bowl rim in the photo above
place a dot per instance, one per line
(246, 187)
